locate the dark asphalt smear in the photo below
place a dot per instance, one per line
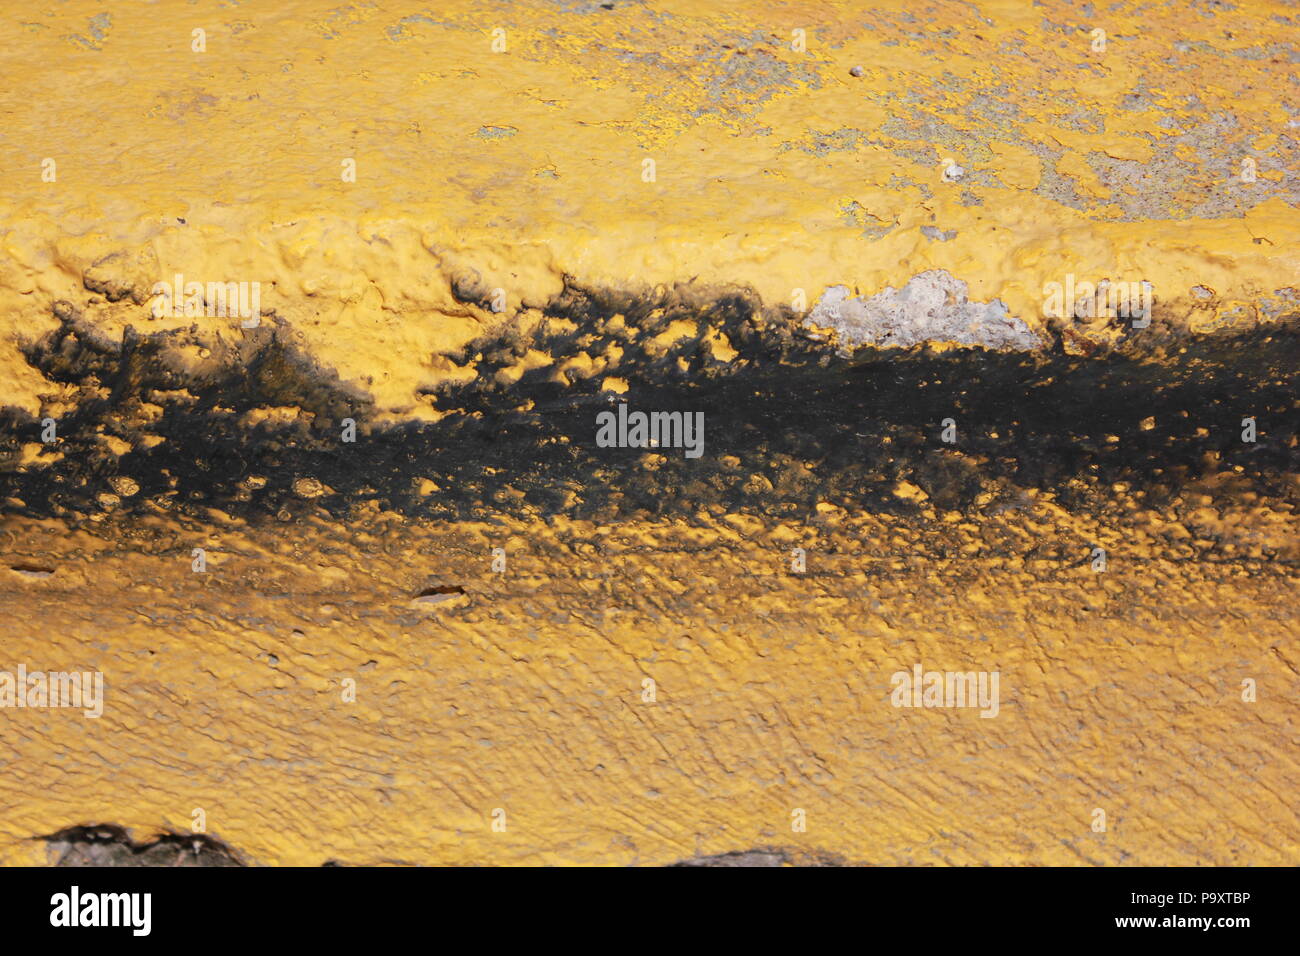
(108, 845)
(789, 422)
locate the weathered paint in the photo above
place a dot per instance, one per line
(1077, 159)
(522, 171)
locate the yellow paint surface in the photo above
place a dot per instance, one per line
(521, 169)
(225, 693)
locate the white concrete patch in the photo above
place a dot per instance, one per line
(932, 307)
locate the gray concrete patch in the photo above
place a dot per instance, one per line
(932, 307)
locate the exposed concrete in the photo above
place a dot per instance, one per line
(932, 306)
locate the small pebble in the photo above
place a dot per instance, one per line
(856, 71)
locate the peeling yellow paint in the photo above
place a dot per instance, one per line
(382, 171)
(727, 119)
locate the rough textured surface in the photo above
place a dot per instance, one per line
(931, 307)
(112, 846)
(472, 635)
(758, 149)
